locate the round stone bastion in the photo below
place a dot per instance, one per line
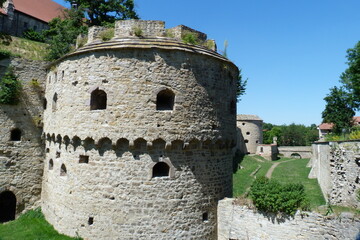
(139, 134)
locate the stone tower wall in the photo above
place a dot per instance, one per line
(113, 195)
(251, 131)
(21, 162)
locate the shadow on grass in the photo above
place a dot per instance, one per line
(237, 159)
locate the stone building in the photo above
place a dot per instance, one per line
(17, 16)
(21, 147)
(250, 134)
(139, 133)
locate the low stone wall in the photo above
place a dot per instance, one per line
(291, 151)
(239, 222)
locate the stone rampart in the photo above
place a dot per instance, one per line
(336, 165)
(296, 151)
(21, 148)
(239, 222)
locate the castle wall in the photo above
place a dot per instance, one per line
(115, 195)
(21, 162)
(336, 165)
(251, 131)
(240, 222)
(294, 151)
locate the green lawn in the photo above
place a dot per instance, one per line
(289, 170)
(242, 179)
(30, 226)
(295, 171)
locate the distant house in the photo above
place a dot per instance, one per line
(17, 16)
(326, 128)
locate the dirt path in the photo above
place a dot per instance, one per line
(270, 171)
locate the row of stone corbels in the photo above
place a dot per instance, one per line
(141, 143)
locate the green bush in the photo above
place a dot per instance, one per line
(190, 38)
(9, 88)
(34, 35)
(273, 197)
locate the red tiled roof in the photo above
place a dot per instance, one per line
(44, 10)
(326, 126)
(2, 11)
(356, 120)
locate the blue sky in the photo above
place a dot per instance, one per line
(291, 51)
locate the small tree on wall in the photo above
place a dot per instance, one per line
(9, 88)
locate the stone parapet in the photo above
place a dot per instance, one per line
(240, 222)
(139, 28)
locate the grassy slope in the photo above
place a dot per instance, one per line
(25, 48)
(30, 226)
(295, 171)
(289, 170)
(242, 179)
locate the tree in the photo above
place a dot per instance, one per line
(103, 12)
(351, 77)
(62, 33)
(240, 86)
(338, 109)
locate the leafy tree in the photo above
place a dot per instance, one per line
(62, 34)
(351, 77)
(290, 135)
(275, 131)
(338, 110)
(240, 86)
(103, 12)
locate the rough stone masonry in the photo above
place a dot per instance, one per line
(139, 135)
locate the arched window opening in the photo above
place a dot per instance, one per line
(44, 103)
(98, 100)
(51, 164)
(7, 206)
(165, 100)
(295, 155)
(15, 135)
(54, 102)
(161, 169)
(63, 171)
(261, 149)
(205, 216)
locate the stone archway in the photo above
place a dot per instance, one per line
(7, 206)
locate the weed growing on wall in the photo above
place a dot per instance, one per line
(137, 31)
(107, 34)
(274, 197)
(9, 88)
(190, 38)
